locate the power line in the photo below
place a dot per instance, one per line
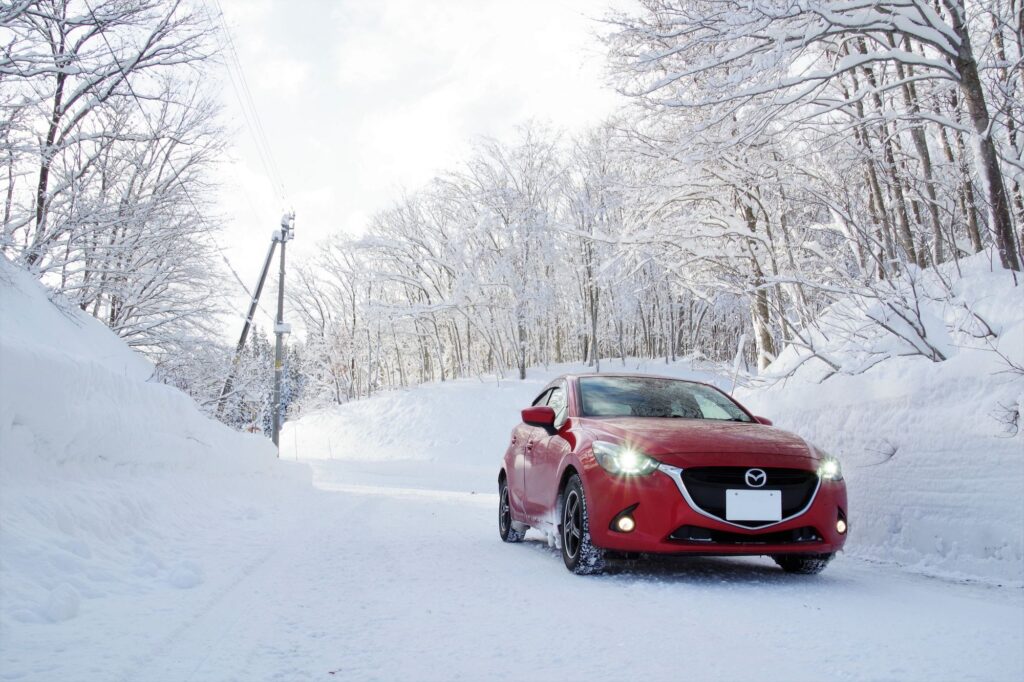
(250, 115)
(177, 175)
(248, 104)
(243, 94)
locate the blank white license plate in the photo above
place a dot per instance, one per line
(753, 505)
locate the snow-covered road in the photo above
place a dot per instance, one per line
(367, 580)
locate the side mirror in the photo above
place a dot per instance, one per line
(763, 420)
(539, 415)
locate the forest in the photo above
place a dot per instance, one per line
(802, 175)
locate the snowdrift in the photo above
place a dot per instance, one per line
(444, 436)
(107, 478)
(934, 469)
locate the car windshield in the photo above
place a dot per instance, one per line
(651, 397)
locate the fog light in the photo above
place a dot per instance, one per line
(841, 526)
(623, 522)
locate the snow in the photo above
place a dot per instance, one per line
(934, 475)
(105, 476)
(142, 541)
(387, 583)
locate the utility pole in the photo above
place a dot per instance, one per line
(280, 328)
(230, 381)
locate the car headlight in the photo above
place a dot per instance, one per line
(829, 469)
(623, 459)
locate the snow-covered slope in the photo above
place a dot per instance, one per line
(104, 474)
(935, 476)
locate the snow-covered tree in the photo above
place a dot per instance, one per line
(107, 152)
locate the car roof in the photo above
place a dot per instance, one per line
(585, 375)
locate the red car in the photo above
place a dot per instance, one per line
(630, 464)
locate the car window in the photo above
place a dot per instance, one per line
(654, 397)
(710, 410)
(542, 399)
(558, 402)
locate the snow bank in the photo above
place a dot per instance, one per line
(448, 436)
(935, 476)
(106, 476)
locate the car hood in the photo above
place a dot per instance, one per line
(690, 442)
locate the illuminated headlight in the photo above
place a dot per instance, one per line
(623, 459)
(830, 470)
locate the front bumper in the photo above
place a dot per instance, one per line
(666, 523)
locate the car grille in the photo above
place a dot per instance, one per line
(707, 486)
(706, 536)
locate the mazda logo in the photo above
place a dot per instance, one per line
(755, 478)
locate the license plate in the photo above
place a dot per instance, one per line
(753, 505)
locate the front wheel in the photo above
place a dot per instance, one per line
(802, 564)
(509, 530)
(580, 555)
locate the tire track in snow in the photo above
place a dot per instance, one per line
(182, 653)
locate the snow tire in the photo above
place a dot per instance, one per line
(509, 530)
(578, 552)
(802, 564)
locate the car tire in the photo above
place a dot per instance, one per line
(578, 552)
(509, 530)
(802, 564)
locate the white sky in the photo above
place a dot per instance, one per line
(361, 98)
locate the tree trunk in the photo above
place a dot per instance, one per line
(965, 197)
(521, 349)
(594, 303)
(904, 234)
(924, 156)
(1000, 221)
(43, 182)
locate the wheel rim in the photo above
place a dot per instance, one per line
(572, 524)
(504, 511)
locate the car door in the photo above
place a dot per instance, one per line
(543, 456)
(524, 436)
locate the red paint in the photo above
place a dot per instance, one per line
(541, 415)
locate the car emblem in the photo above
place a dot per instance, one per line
(755, 478)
